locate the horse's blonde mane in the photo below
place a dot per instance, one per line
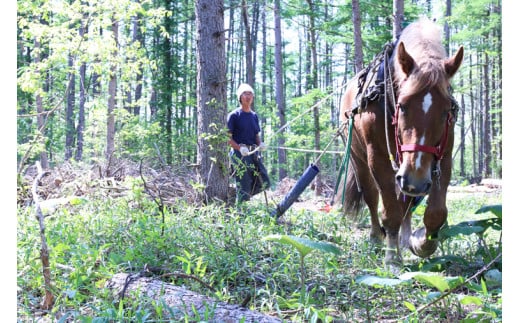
(423, 41)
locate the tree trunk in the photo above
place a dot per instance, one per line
(398, 18)
(81, 112)
(249, 46)
(212, 145)
(447, 33)
(44, 161)
(462, 116)
(280, 97)
(165, 83)
(314, 84)
(473, 121)
(70, 127)
(486, 136)
(138, 36)
(112, 86)
(182, 302)
(358, 43)
(82, 99)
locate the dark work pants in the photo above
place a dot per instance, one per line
(250, 175)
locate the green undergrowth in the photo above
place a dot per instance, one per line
(227, 249)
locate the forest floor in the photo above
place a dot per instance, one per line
(168, 185)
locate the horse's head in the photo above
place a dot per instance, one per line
(423, 117)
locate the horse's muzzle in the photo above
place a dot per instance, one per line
(411, 186)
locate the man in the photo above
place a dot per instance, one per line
(244, 131)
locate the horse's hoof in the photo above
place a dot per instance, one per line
(394, 268)
(420, 245)
(377, 237)
(394, 264)
(376, 240)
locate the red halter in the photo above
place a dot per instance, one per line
(438, 150)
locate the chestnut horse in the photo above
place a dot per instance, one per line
(412, 119)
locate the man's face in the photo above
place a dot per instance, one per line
(247, 97)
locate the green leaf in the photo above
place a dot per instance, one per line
(375, 281)
(304, 246)
(440, 263)
(495, 209)
(463, 228)
(433, 280)
(470, 300)
(410, 306)
(76, 200)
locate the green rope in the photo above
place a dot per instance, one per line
(343, 169)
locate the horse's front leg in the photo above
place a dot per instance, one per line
(423, 242)
(392, 213)
(391, 217)
(391, 220)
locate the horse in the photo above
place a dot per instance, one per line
(403, 116)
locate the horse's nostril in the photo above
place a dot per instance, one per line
(401, 180)
(427, 186)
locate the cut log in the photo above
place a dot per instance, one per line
(182, 301)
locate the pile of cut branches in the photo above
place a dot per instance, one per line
(76, 179)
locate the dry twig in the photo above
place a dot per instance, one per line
(48, 301)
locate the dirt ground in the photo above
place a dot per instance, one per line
(309, 201)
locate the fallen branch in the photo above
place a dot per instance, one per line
(181, 301)
(48, 300)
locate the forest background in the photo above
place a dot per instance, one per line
(163, 117)
(101, 81)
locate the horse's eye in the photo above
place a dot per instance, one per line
(402, 107)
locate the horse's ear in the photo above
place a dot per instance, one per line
(452, 64)
(405, 60)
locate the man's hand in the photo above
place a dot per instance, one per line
(263, 147)
(244, 150)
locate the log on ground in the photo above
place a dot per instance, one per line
(182, 301)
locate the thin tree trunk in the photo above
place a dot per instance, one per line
(39, 109)
(280, 97)
(81, 112)
(314, 84)
(462, 117)
(112, 87)
(497, 98)
(138, 37)
(48, 300)
(398, 18)
(447, 33)
(487, 122)
(165, 87)
(69, 113)
(263, 73)
(480, 117)
(358, 43)
(249, 45)
(472, 118)
(82, 96)
(231, 56)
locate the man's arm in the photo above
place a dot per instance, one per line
(232, 142)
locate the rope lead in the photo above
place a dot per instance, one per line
(343, 169)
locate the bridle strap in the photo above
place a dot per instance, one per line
(438, 150)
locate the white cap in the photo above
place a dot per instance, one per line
(244, 87)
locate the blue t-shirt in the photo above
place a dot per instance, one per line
(244, 126)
